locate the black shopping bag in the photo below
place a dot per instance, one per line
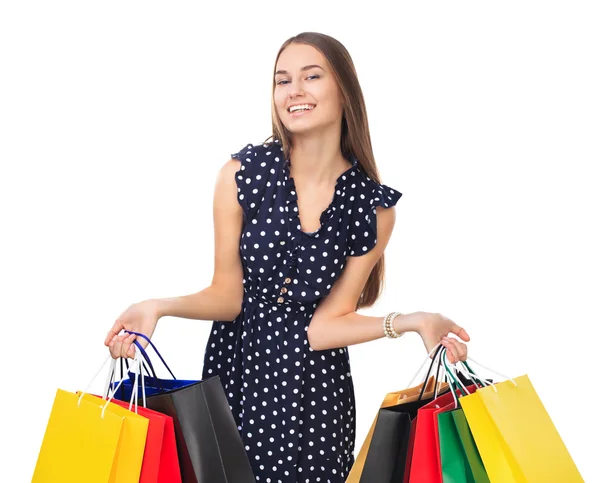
(389, 451)
(209, 445)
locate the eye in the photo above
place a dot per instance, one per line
(282, 81)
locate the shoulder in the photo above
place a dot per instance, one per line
(259, 153)
(254, 168)
(368, 223)
(377, 194)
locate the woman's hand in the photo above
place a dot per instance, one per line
(141, 317)
(435, 328)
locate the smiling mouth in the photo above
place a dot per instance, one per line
(300, 108)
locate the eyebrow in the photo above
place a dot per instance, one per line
(306, 67)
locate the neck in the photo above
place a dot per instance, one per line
(317, 160)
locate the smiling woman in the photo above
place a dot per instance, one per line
(301, 224)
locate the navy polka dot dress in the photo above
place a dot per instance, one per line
(294, 406)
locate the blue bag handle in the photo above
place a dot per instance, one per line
(145, 354)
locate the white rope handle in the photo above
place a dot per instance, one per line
(134, 393)
(412, 381)
(111, 371)
(493, 371)
(136, 363)
(474, 377)
(92, 381)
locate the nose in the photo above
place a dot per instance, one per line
(295, 90)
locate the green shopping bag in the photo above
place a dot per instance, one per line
(473, 458)
(455, 467)
(459, 457)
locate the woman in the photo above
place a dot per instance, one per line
(301, 225)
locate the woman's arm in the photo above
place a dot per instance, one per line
(335, 322)
(222, 300)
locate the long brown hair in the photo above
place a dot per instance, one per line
(355, 140)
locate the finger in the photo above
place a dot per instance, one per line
(113, 349)
(450, 350)
(125, 344)
(116, 328)
(118, 345)
(128, 347)
(460, 332)
(130, 352)
(461, 349)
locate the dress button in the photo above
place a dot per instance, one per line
(280, 300)
(288, 280)
(283, 290)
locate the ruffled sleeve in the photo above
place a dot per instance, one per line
(363, 233)
(252, 177)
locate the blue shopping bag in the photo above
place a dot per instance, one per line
(152, 383)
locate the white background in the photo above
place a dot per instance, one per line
(116, 116)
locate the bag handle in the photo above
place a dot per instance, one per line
(113, 366)
(111, 377)
(429, 357)
(437, 351)
(145, 355)
(473, 374)
(137, 363)
(456, 384)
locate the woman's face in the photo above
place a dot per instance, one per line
(304, 77)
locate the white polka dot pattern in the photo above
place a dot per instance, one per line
(294, 407)
(364, 225)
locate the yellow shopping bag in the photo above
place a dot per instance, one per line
(515, 436)
(79, 444)
(92, 440)
(130, 450)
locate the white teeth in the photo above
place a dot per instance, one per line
(301, 107)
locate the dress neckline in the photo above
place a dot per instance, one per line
(338, 191)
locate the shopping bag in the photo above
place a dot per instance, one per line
(390, 399)
(452, 462)
(452, 453)
(130, 451)
(458, 456)
(453, 465)
(515, 435)
(473, 463)
(209, 445)
(152, 383)
(92, 440)
(160, 463)
(79, 444)
(387, 446)
(425, 461)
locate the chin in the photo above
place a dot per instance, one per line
(305, 127)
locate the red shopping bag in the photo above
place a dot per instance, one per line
(160, 463)
(425, 466)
